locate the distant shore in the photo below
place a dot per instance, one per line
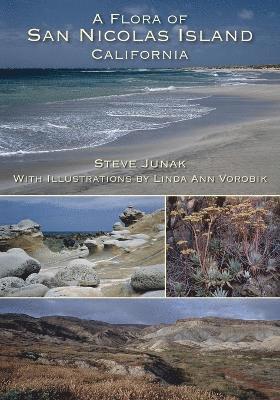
(261, 67)
(240, 138)
(257, 68)
(264, 67)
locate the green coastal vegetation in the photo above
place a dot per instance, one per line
(223, 246)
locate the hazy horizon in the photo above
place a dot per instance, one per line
(136, 68)
(73, 214)
(145, 311)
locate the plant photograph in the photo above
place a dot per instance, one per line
(223, 246)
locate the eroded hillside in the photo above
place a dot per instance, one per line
(185, 360)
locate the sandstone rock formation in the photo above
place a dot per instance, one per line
(118, 226)
(93, 245)
(211, 334)
(130, 243)
(25, 235)
(131, 215)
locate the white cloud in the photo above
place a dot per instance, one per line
(135, 10)
(246, 14)
(133, 311)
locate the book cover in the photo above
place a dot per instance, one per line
(139, 200)
(158, 98)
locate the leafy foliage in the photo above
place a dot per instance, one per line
(224, 245)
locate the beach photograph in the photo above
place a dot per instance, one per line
(71, 124)
(180, 349)
(82, 246)
(222, 246)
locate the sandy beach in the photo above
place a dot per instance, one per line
(239, 138)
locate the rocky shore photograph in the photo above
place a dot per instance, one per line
(223, 246)
(82, 246)
(180, 349)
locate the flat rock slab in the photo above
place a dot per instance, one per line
(35, 290)
(125, 244)
(73, 291)
(154, 293)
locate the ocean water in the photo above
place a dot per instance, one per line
(54, 239)
(45, 111)
(66, 234)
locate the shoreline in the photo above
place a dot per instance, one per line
(239, 137)
(262, 67)
(239, 69)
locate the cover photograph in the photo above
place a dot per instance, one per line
(153, 98)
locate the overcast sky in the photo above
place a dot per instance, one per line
(16, 17)
(73, 213)
(143, 311)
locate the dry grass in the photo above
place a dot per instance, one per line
(147, 223)
(87, 384)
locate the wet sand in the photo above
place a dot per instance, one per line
(239, 138)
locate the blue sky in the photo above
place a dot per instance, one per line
(145, 311)
(72, 213)
(16, 17)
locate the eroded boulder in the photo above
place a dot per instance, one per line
(78, 273)
(149, 278)
(44, 278)
(10, 283)
(16, 262)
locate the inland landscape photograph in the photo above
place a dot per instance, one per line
(61, 110)
(82, 246)
(192, 349)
